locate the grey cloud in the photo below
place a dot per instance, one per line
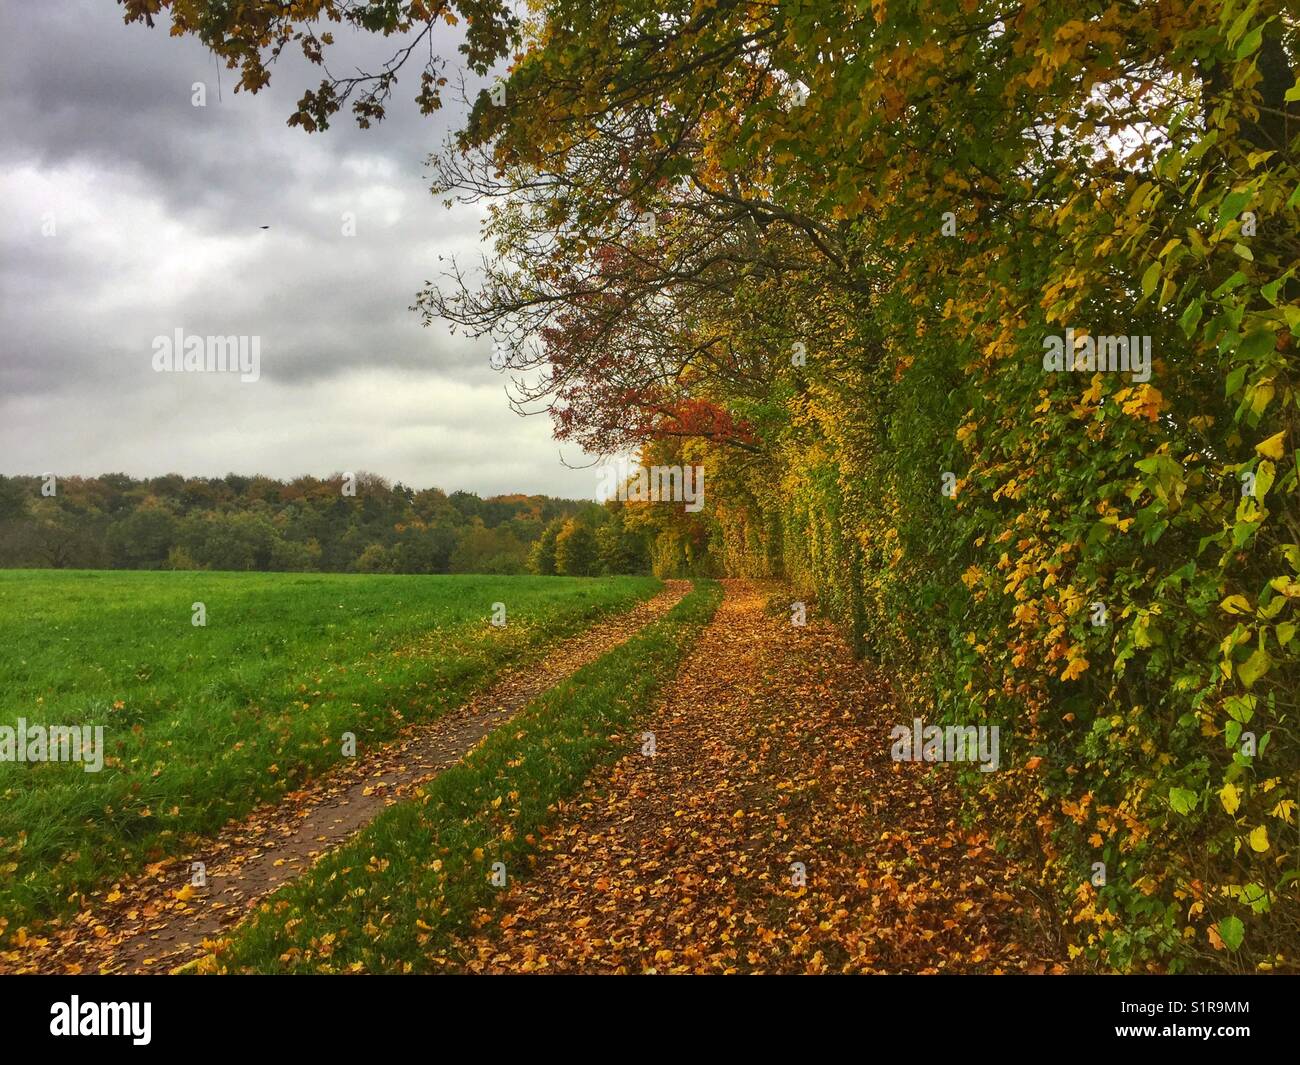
(157, 206)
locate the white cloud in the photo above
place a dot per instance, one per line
(418, 427)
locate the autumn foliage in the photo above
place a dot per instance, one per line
(818, 247)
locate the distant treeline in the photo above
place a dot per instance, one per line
(338, 524)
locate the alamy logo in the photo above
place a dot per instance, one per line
(102, 1018)
(1105, 354)
(653, 484)
(195, 354)
(53, 743)
(952, 743)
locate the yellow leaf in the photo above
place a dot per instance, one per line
(1272, 447)
(1235, 604)
(1230, 797)
(1259, 839)
(1074, 668)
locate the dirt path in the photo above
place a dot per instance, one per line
(772, 749)
(157, 922)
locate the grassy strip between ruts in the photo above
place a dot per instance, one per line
(395, 898)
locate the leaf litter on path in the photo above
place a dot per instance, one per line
(769, 832)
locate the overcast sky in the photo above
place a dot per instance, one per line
(156, 205)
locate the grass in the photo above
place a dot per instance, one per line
(396, 897)
(201, 724)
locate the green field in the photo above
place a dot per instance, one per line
(203, 723)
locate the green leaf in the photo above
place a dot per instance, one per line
(1240, 23)
(1251, 42)
(1232, 932)
(1167, 291)
(1234, 281)
(1240, 707)
(1265, 475)
(1234, 381)
(1191, 316)
(1254, 667)
(1256, 897)
(1233, 204)
(1182, 800)
(1150, 278)
(1258, 343)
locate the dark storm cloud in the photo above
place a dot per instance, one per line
(132, 213)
